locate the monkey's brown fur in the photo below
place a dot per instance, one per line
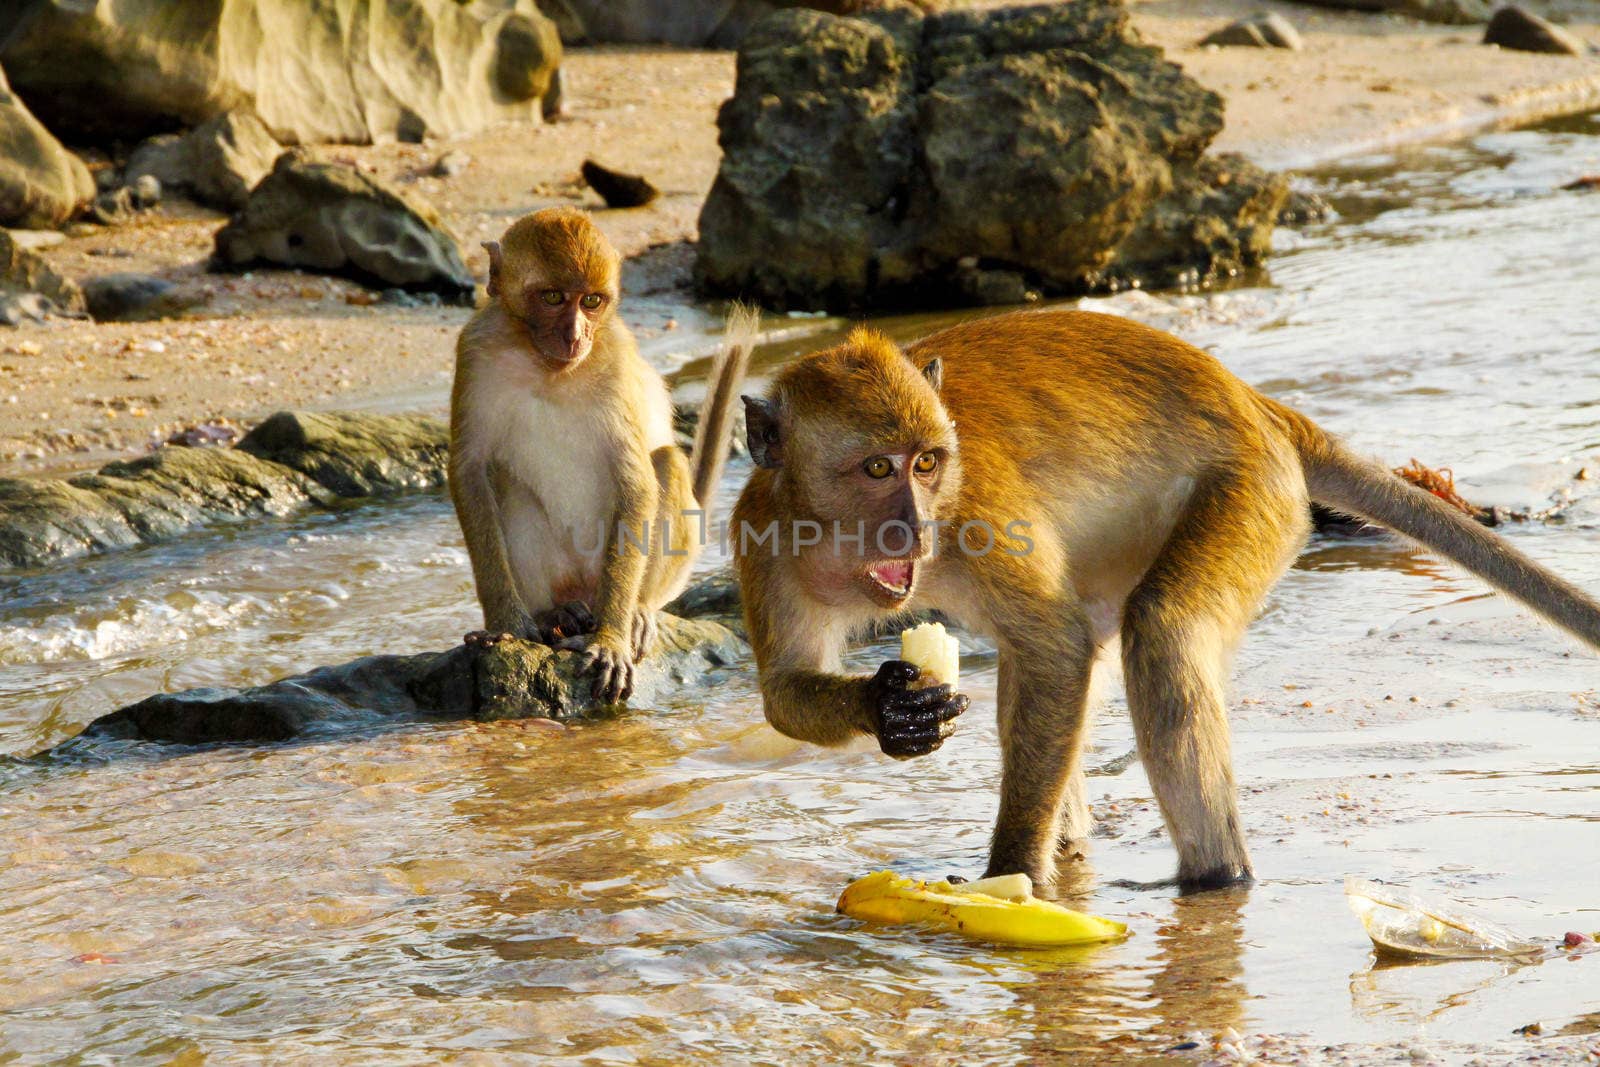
(561, 436)
(1163, 499)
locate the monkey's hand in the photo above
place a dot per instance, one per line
(612, 662)
(644, 633)
(911, 722)
(572, 619)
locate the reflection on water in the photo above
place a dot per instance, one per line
(659, 888)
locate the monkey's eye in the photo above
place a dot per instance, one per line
(553, 297)
(878, 467)
(591, 300)
(925, 463)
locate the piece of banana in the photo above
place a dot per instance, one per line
(937, 652)
(976, 910)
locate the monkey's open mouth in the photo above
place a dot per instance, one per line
(893, 577)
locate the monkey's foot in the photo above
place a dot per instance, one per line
(486, 638)
(613, 678)
(572, 619)
(911, 722)
(1221, 878)
(644, 633)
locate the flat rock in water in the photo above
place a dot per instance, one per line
(512, 680)
(885, 154)
(1267, 30)
(331, 217)
(30, 288)
(313, 70)
(41, 183)
(1512, 27)
(288, 463)
(616, 188)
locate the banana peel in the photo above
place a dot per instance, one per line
(998, 910)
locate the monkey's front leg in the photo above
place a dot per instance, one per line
(1043, 712)
(610, 652)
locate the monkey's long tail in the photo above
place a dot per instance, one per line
(710, 450)
(1340, 479)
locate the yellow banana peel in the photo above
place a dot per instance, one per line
(1016, 918)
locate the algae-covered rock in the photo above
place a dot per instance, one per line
(41, 183)
(513, 679)
(313, 70)
(355, 454)
(331, 217)
(971, 156)
(291, 462)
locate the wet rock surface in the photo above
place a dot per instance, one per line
(30, 288)
(331, 217)
(290, 462)
(890, 156)
(513, 679)
(314, 70)
(217, 163)
(41, 183)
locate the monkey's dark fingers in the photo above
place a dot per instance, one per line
(909, 747)
(935, 696)
(896, 674)
(577, 615)
(954, 706)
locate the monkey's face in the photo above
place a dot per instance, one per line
(562, 322)
(866, 455)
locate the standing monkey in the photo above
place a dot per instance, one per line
(579, 511)
(1109, 480)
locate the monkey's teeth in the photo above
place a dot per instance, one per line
(894, 575)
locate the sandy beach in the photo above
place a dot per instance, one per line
(74, 394)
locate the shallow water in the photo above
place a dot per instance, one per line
(659, 888)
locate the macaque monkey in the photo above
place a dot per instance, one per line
(1053, 480)
(581, 515)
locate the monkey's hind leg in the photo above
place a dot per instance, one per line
(1180, 625)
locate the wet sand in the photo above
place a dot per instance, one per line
(73, 394)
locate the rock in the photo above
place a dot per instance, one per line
(881, 153)
(30, 288)
(722, 24)
(146, 191)
(216, 163)
(1265, 30)
(616, 188)
(1512, 27)
(1303, 206)
(114, 208)
(512, 680)
(37, 240)
(1450, 12)
(127, 297)
(41, 183)
(289, 463)
(715, 594)
(331, 217)
(450, 164)
(313, 70)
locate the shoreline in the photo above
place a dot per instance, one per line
(74, 395)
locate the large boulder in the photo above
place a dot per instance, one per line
(511, 680)
(313, 70)
(331, 217)
(973, 156)
(30, 288)
(216, 163)
(41, 183)
(1449, 12)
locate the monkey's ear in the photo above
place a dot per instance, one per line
(493, 248)
(761, 432)
(933, 370)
